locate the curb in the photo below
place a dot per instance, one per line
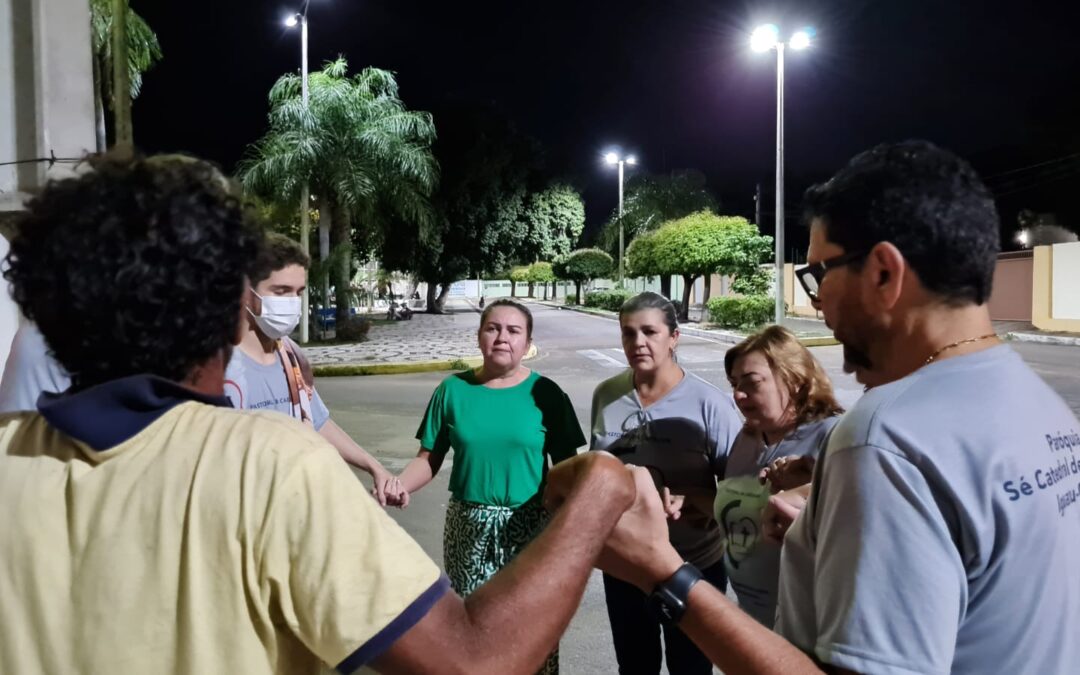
(1044, 339)
(725, 336)
(405, 367)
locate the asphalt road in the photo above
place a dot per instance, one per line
(577, 351)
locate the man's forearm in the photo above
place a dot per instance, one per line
(734, 641)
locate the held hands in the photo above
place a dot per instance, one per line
(388, 490)
(673, 504)
(781, 511)
(593, 471)
(788, 473)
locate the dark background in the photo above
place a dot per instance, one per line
(672, 81)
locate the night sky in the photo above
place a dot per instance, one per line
(672, 81)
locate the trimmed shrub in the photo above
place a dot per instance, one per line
(746, 312)
(610, 300)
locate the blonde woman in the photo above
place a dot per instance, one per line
(789, 407)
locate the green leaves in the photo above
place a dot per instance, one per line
(584, 264)
(699, 244)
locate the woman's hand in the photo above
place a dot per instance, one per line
(788, 473)
(389, 491)
(673, 504)
(781, 511)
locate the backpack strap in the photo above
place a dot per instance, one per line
(300, 392)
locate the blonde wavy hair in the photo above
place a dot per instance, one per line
(809, 387)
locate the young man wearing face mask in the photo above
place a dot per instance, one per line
(269, 372)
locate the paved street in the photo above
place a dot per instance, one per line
(578, 351)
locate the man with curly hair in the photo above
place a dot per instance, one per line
(268, 371)
(150, 527)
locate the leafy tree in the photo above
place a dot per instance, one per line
(699, 245)
(583, 265)
(518, 275)
(554, 218)
(489, 169)
(362, 151)
(650, 202)
(139, 47)
(541, 273)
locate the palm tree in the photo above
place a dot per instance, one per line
(366, 156)
(143, 51)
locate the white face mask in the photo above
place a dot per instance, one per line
(279, 317)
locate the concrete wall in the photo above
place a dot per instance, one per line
(1055, 294)
(1010, 299)
(46, 91)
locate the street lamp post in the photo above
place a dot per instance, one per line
(763, 39)
(305, 197)
(614, 159)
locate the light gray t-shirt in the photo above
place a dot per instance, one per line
(29, 371)
(943, 529)
(751, 560)
(251, 385)
(684, 437)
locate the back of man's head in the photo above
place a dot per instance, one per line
(278, 253)
(134, 267)
(927, 202)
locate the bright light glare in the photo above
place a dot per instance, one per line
(800, 40)
(631, 160)
(764, 38)
(291, 21)
(1023, 237)
(611, 158)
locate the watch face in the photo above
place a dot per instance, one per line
(665, 606)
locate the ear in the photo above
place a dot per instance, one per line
(887, 270)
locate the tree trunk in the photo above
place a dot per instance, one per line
(326, 219)
(123, 139)
(99, 105)
(513, 288)
(545, 291)
(665, 285)
(705, 294)
(688, 285)
(577, 292)
(532, 288)
(444, 293)
(342, 246)
(432, 304)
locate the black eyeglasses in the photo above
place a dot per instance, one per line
(810, 276)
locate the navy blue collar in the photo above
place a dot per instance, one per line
(109, 414)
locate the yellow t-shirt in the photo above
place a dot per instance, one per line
(213, 541)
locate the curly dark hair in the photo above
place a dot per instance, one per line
(927, 202)
(277, 253)
(135, 267)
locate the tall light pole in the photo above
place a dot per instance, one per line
(614, 159)
(305, 197)
(763, 39)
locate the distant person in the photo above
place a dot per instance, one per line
(788, 403)
(680, 427)
(942, 530)
(150, 527)
(268, 371)
(29, 370)
(504, 423)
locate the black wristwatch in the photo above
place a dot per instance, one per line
(667, 602)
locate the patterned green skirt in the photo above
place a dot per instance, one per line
(479, 540)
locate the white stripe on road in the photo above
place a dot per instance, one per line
(601, 358)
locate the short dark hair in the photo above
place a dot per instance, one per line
(276, 254)
(507, 302)
(650, 300)
(135, 267)
(924, 200)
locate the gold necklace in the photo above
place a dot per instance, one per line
(957, 344)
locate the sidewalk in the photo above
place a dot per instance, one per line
(425, 342)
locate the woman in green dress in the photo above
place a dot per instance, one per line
(503, 422)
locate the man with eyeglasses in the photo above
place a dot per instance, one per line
(942, 530)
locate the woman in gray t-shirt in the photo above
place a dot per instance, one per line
(680, 427)
(788, 403)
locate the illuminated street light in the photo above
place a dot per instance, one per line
(763, 39)
(614, 159)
